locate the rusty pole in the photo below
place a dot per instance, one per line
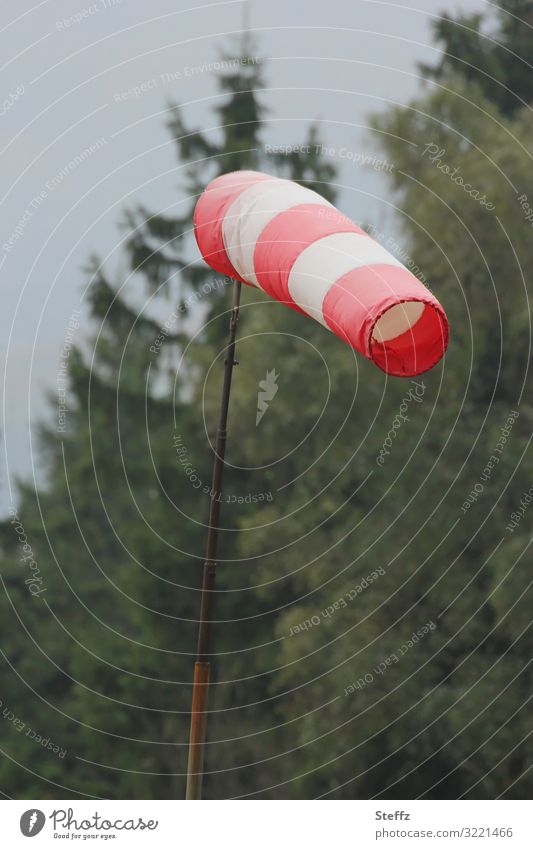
(200, 691)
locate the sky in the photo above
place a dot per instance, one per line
(85, 87)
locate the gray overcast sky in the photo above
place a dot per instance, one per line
(67, 69)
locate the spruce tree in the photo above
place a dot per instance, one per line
(497, 58)
(102, 663)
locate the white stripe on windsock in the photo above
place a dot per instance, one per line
(250, 213)
(325, 261)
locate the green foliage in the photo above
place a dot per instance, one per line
(499, 60)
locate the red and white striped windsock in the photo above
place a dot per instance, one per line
(293, 244)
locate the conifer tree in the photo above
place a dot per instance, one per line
(498, 59)
(119, 529)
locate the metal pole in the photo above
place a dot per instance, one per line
(200, 690)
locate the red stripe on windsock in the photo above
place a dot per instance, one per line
(354, 304)
(209, 214)
(286, 236)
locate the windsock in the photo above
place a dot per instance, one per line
(294, 245)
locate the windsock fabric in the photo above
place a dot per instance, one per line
(294, 245)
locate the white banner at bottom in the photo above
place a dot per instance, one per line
(267, 824)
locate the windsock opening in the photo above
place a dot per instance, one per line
(409, 338)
